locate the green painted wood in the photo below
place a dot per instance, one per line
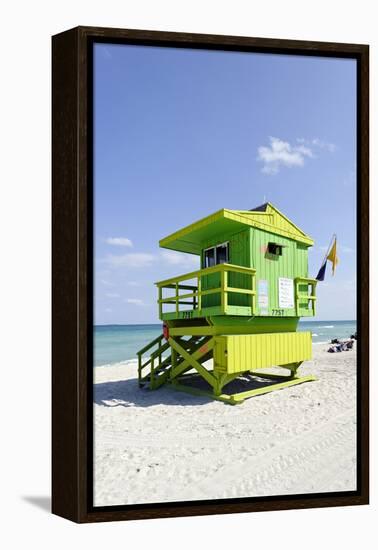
(236, 325)
(240, 254)
(194, 237)
(248, 248)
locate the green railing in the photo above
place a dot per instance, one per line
(197, 293)
(155, 361)
(304, 302)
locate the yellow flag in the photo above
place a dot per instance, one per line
(332, 257)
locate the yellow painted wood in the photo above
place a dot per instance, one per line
(198, 292)
(303, 299)
(240, 290)
(188, 238)
(191, 295)
(237, 398)
(240, 397)
(160, 291)
(206, 271)
(277, 223)
(224, 291)
(191, 359)
(240, 353)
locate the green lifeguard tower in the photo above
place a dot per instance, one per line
(241, 309)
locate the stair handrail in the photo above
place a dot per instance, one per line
(150, 345)
(157, 352)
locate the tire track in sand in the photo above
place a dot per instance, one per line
(313, 461)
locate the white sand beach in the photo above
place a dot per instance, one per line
(166, 445)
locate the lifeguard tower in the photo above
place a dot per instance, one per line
(241, 309)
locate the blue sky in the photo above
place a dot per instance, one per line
(182, 133)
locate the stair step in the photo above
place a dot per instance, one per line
(161, 372)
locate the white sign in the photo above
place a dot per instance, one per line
(262, 295)
(285, 293)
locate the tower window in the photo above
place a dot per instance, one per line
(275, 249)
(222, 253)
(210, 257)
(216, 255)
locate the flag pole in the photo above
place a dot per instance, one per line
(324, 262)
(329, 247)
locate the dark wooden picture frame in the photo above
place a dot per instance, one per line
(72, 415)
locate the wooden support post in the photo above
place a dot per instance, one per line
(253, 296)
(152, 373)
(159, 356)
(224, 285)
(139, 368)
(173, 362)
(192, 360)
(159, 301)
(297, 298)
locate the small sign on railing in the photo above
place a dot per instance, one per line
(285, 293)
(263, 296)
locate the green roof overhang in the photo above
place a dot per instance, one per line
(224, 222)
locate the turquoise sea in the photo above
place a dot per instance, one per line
(116, 343)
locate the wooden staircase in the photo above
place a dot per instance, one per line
(157, 369)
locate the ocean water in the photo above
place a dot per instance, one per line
(116, 343)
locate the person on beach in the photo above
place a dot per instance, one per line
(341, 346)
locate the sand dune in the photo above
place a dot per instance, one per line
(164, 445)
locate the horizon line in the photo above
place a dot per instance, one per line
(157, 324)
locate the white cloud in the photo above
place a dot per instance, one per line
(134, 260)
(180, 259)
(135, 301)
(316, 143)
(281, 153)
(304, 150)
(112, 295)
(142, 260)
(119, 241)
(133, 283)
(330, 147)
(340, 248)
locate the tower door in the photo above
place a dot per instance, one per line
(212, 256)
(239, 255)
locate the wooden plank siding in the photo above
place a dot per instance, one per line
(248, 248)
(234, 354)
(292, 264)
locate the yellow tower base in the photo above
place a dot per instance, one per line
(181, 361)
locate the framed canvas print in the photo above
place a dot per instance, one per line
(210, 274)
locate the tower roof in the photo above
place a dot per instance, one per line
(224, 222)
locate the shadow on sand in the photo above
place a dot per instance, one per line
(126, 393)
